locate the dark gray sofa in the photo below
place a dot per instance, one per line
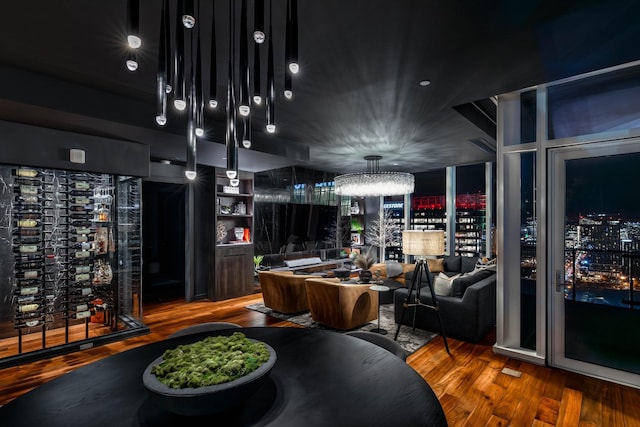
(467, 315)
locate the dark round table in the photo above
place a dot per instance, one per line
(321, 378)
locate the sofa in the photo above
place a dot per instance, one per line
(284, 291)
(340, 305)
(468, 312)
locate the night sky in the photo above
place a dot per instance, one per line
(604, 185)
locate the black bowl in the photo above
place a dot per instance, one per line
(210, 399)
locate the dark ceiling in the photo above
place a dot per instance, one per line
(62, 65)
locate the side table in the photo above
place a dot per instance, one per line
(379, 288)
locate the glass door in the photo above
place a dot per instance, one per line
(595, 258)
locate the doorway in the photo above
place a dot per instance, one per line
(163, 232)
(595, 260)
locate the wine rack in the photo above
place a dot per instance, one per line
(31, 299)
(69, 234)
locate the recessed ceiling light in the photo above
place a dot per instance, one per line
(425, 82)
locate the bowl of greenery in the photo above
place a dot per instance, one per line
(211, 375)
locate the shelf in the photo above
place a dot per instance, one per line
(221, 194)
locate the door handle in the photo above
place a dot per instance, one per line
(559, 281)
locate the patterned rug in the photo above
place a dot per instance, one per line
(409, 339)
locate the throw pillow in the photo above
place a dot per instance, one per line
(436, 265)
(451, 263)
(394, 268)
(443, 284)
(467, 263)
(488, 264)
(468, 279)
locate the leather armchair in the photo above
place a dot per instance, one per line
(284, 291)
(339, 305)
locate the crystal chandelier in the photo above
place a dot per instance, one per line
(374, 182)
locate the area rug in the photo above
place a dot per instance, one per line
(409, 339)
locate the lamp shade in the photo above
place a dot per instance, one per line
(423, 242)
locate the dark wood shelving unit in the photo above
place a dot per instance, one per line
(234, 254)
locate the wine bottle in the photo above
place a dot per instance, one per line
(83, 230)
(82, 307)
(27, 299)
(29, 189)
(27, 249)
(28, 315)
(85, 246)
(80, 269)
(83, 277)
(81, 291)
(82, 254)
(82, 200)
(26, 265)
(79, 215)
(29, 290)
(80, 314)
(26, 308)
(25, 172)
(29, 324)
(81, 185)
(81, 238)
(29, 199)
(80, 193)
(28, 223)
(79, 299)
(30, 274)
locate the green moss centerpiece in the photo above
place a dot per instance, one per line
(210, 375)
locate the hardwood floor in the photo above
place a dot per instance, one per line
(469, 384)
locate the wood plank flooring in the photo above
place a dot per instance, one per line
(469, 384)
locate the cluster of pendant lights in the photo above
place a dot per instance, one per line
(179, 76)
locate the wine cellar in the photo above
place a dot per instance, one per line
(71, 253)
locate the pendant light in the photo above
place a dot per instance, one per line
(161, 78)
(244, 107)
(179, 78)
(213, 69)
(257, 96)
(132, 60)
(190, 170)
(178, 85)
(133, 24)
(271, 90)
(246, 132)
(231, 140)
(199, 96)
(258, 21)
(188, 15)
(292, 60)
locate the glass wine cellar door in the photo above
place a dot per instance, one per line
(70, 260)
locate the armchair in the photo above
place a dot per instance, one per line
(339, 305)
(284, 291)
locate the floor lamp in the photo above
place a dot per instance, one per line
(422, 243)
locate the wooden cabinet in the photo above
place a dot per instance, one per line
(234, 271)
(234, 236)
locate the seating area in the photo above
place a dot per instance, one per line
(465, 288)
(467, 310)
